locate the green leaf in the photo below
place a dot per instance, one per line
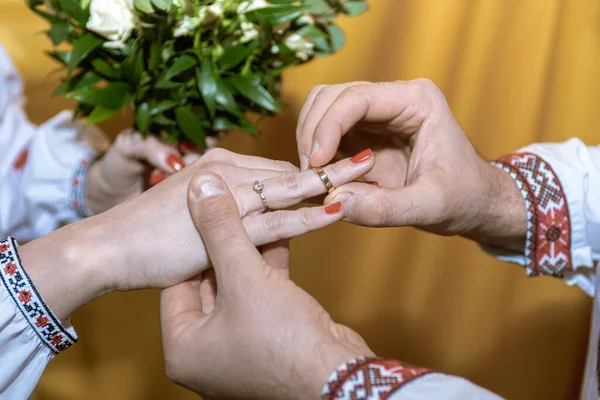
(182, 63)
(166, 84)
(162, 4)
(250, 87)
(190, 126)
(154, 60)
(160, 119)
(142, 117)
(62, 57)
(133, 65)
(246, 125)
(162, 106)
(100, 114)
(114, 96)
(74, 10)
(82, 80)
(317, 7)
(357, 7)
(278, 14)
(282, 1)
(207, 84)
(221, 124)
(82, 47)
(236, 54)
(144, 6)
(58, 33)
(104, 68)
(225, 99)
(337, 37)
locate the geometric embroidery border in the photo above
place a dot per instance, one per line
(29, 301)
(370, 378)
(548, 236)
(77, 187)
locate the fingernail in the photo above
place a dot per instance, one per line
(175, 162)
(362, 156)
(157, 178)
(315, 147)
(303, 163)
(374, 183)
(207, 185)
(186, 147)
(333, 208)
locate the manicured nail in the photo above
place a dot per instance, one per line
(333, 208)
(175, 162)
(207, 185)
(157, 178)
(375, 183)
(362, 156)
(186, 147)
(315, 147)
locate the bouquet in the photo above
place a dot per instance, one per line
(187, 68)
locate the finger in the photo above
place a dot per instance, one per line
(287, 190)
(304, 141)
(191, 157)
(273, 226)
(369, 102)
(369, 205)
(245, 161)
(322, 99)
(277, 256)
(216, 217)
(208, 291)
(152, 150)
(181, 305)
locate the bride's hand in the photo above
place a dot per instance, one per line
(150, 240)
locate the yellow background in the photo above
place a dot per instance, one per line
(514, 72)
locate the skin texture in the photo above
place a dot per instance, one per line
(150, 241)
(258, 336)
(427, 172)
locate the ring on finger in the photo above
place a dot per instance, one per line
(325, 179)
(258, 188)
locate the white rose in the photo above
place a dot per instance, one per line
(211, 13)
(113, 19)
(300, 45)
(249, 32)
(250, 5)
(187, 26)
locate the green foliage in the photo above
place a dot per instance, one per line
(193, 71)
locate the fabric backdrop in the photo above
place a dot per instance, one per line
(514, 72)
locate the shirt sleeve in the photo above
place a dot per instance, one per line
(373, 378)
(30, 333)
(42, 168)
(560, 183)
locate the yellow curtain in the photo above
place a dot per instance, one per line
(514, 72)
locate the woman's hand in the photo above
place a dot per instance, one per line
(150, 240)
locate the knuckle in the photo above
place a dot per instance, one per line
(383, 211)
(217, 155)
(274, 223)
(307, 218)
(315, 91)
(215, 213)
(290, 184)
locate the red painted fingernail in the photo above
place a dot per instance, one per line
(362, 156)
(333, 208)
(186, 147)
(375, 183)
(175, 162)
(157, 178)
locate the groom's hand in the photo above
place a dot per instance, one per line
(427, 173)
(264, 337)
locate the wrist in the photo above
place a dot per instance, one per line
(67, 267)
(502, 215)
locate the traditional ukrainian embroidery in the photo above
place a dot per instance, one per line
(548, 240)
(370, 378)
(21, 160)
(30, 303)
(77, 187)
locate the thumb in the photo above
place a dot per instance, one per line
(216, 217)
(369, 205)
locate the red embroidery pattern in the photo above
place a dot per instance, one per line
(548, 245)
(30, 303)
(370, 378)
(21, 160)
(77, 190)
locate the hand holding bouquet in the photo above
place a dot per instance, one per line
(188, 68)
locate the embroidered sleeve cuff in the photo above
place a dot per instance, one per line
(77, 197)
(548, 239)
(370, 378)
(30, 303)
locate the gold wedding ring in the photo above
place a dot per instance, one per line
(258, 188)
(325, 179)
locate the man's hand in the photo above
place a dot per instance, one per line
(427, 173)
(263, 337)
